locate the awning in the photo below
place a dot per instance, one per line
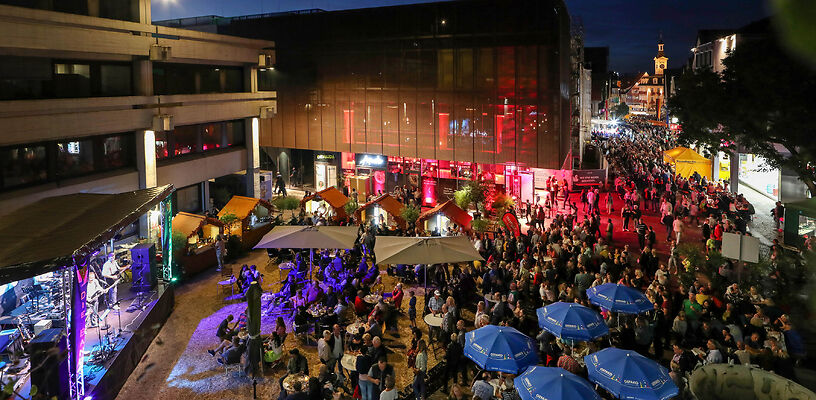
(452, 211)
(336, 199)
(424, 250)
(188, 224)
(687, 161)
(242, 206)
(50, 234)
(387, 203)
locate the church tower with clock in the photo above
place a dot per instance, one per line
(660, 60)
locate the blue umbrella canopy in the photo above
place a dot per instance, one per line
(572, 321)
(629, 375)
(619, 298)
(542, 383)
(500, 348)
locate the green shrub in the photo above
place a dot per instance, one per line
(410, 214)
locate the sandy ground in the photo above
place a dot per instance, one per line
(177, 366)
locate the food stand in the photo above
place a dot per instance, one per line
(252, 219)
(335, 199)
(444, 212)
(800, 221)
(199, 233)
(391, 206)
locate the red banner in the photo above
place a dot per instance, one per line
(512, 223)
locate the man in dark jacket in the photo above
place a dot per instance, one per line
(453, 361)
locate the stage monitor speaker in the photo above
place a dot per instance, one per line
(143, 268)
(49, 363)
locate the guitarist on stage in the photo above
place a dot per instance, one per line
(110, 273)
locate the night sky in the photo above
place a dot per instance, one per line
(629, 27)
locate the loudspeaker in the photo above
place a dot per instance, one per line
(143, 268)
(49, 363)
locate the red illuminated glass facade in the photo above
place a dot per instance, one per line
(480, 81)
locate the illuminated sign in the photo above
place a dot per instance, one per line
(324, 157)
(370, 160)
(73, 147)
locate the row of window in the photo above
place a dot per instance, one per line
(192, 139)
(26, 78)
(37, 163)
(123, 10)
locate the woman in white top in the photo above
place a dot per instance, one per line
(420, 370)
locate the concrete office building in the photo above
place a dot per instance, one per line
(95, 98)
(425, 94)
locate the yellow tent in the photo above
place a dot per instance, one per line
(687, 161)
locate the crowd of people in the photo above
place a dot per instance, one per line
(568, 247)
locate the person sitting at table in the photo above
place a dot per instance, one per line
(436, 302)
(371, 276)
(377, 287)
(377, 349)
(301, 320)
(299, 300)
(297, 393)
(330, 298)
(298, 364)
(273, 346)
(233, 354)
(314, 294)
(224, 334)
(360, 305)
(374, 328)
(377, 311)
(357, 341)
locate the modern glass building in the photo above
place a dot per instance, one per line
(444, 90)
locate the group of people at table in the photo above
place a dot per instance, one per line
(556, 261)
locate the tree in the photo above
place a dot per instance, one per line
(410, 214)
(762, 102)
(286, 203)
(621, 110)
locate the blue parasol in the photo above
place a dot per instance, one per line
(537, 383)
(629, 375)
(619, 298)
(572, 321)
(500, 348)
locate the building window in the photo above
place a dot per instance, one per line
(75, 158)
(122, 10)
(24, 165)
(24, 78)
(193, 139)
(53, 161)
(196, 79)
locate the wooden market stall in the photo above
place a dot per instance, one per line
(252, 219)
(387, 203)
(335, 198)
(200, 233)
(449, 210)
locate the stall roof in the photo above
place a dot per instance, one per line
(188, 224)
(807, 205)
(336, 199)
(50, 234)
(389, 204)
(452, 211)
(330, 195)
(241, 206)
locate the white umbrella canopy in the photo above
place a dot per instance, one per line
(309, 237)
(424, 250)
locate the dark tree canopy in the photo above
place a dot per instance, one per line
(763, 102)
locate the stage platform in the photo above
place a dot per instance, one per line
(104, 379)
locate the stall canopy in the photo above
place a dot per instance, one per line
(450, 210)
(334, 197)
(52, 233)
(387, 203)
(242, 206)
(188, 224)
(424, 250)
(687, 161)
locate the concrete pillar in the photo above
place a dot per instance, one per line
(142, 10)
(93, 8)
(146, 166)
(143, 78)
(253, 179)
(205, 195)
(250, 79)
